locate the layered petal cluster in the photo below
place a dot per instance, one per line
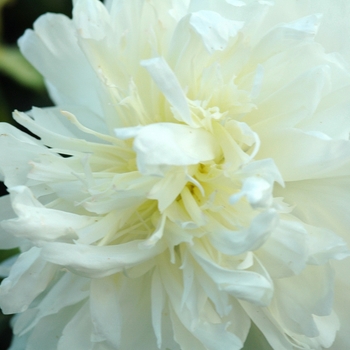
(191, 183)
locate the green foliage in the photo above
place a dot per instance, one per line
(13, 64)
(256, 340)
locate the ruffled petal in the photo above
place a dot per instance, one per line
(53, 41)
(165, 144)
(309, 156)
(97, 262)
(40, 224)
(29, 273)
(235, 242)
(7, 240)
(246, 285)
(105, 311)
(168, 84)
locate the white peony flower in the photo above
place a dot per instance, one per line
(192, 182)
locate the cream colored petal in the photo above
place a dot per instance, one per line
(341, 303)
(165, 144)
(74, 122)
(272, 331)
(7, 240)
(314, 203)
(285, 107)
(52, 327)
(170, 87)
(29, 273)
(301, 156)
(294, 307)
(320, 202)
(72, 145)
(324, 245)
(91, 19)
(246, 285)
(99, 261)
(168, 188)
(158, 303)
(66, 293)
(235, 242)
(15, 165)
(333, 37)
(39, 224)
(74, 333)
(138, 315)
(53, 43)
(105, 311)
(215, 30)
(285, 253)
(202, 332)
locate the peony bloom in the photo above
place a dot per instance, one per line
(192, 182)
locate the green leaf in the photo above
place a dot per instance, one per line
(256, 340)
(13, 64)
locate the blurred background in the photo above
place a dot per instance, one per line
(21, 87)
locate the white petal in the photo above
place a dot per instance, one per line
(328, 327)
(158, 301)
(30, 274)
(137, 332)
(281, 104)
(256, 190)
(341, 303)
(76, 333)
(39, 224)
(268, 326)
(72, 122)
(235, 242)
(15, 165)
(308, 25)
(320, 202)
(300, 156)
(246, 285)
(168, 84)
(202, 332)
(166, 144)
(60, 140)
(105, 311)
(295, 307)
(69, 291)
(91, 19)
(50, 326)
(285, 253)
(168, 188)
(215, 30)
(99, 261)
(54, 44)
(325, 245)
(7, 240)
(333, 37)
(183, 336)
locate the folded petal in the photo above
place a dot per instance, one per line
(99, 261)
(40, 224)
(166, 144)
(214, 29)
(235, 242)
(246, 285)
(29, 273)
(168, 84)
